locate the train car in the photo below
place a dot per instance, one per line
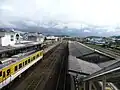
(13, 67)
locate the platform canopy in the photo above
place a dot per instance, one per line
(81, 66)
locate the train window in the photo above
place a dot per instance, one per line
(37, 55)
(20, 65)
(23, 63)
(15, 68)
(8, 72)
(28, 60)
(4, 74)
(0, 73)
(34, 58)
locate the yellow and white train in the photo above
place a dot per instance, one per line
(13, 67)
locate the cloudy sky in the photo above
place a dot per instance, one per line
(94, 12)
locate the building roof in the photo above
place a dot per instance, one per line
(109, 71)
(8, 61)
(80, 65)
(17, 46)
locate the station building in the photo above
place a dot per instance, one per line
(9, 38)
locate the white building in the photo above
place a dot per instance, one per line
(98, 40)
(52, 38)
(9, 38)
(34, 36)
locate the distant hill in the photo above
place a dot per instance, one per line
(93, 37)
(115, 36)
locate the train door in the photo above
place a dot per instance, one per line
(0, 76)
(6, 75)
(41, 53)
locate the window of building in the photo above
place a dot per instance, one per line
(17, 36)
(28, 60)
(4, 74)
(0, 73)
(8, 72)
(12, 38)
(15, 68)
(20, 65)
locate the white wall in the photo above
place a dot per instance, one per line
(6, 40)
(40, 39)
(0, 41)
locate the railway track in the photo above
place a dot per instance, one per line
(40, 78)
(42, 73)
(59, 73)
(62, 81)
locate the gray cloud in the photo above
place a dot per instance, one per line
(56, 15)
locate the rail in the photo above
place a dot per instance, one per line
(41, 76)
(61, 81)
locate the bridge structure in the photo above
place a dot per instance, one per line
(107, 74)
(95, 67)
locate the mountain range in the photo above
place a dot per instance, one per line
(61, 28)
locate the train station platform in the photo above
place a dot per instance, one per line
(77, 50)
(87, 64)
